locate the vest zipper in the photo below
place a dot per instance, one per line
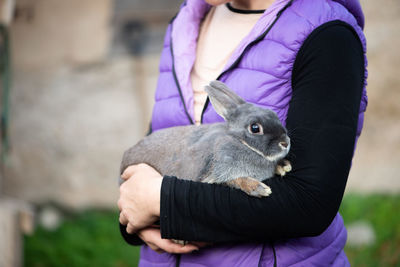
(178, 260)
(234, 64)
(273, 250)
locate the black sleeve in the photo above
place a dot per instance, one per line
(327, 81)
(131, 239)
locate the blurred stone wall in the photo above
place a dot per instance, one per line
(73, 110)
(69, 128)
(52, 33)
(376, 163)
(79, 96)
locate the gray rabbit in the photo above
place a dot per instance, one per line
(245, 150)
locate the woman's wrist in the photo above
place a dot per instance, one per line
(156, 195)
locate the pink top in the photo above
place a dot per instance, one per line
(221, 32)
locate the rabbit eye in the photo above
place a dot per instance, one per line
(255, 128)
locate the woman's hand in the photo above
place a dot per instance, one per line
(152, 237)
(139, 201)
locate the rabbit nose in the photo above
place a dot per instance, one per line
(283, 144)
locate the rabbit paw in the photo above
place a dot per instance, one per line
(251, 186)
(180, 242)
(283, 167)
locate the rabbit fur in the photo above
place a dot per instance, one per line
(246, 149)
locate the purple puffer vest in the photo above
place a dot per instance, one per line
(260, 71)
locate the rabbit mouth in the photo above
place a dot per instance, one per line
(275, 157)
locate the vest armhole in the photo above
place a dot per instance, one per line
(312, 36)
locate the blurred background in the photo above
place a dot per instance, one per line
(77, 86)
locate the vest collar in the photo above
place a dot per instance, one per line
(185, 31)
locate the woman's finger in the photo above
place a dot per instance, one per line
(171, 247)
(155, 248)
(201, 244)
(122, 219)
(130, 229)
(128, 172)
(152, 237)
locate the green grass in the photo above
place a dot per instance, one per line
(383, 213)
(92, 238)
(89, 238)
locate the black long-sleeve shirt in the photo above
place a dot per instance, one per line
(327, 82)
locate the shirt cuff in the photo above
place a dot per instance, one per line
(174, 207)
(133, 240)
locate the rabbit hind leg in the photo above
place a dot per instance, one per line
(250, 186)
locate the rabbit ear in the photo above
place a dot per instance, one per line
(222, 98)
